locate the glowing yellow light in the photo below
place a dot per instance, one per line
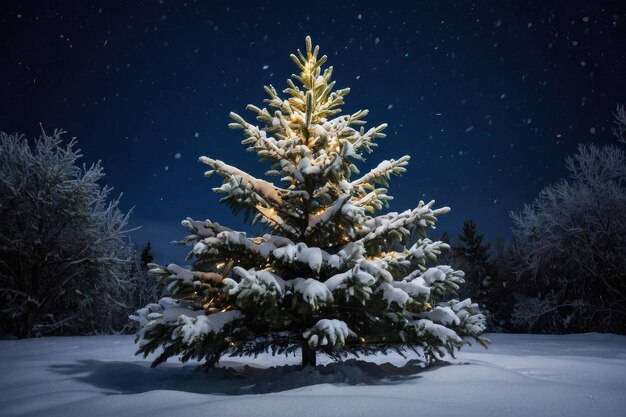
(362, 339)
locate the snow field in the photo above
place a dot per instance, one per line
(520, 375)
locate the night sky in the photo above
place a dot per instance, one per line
(488, 98)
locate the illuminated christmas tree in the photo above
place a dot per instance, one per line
(325, 278)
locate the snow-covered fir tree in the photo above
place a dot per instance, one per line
(323, 278)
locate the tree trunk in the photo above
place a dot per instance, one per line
(309, 357)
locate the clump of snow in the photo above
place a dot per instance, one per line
(310, 256)
(392, 294)
(443, 315)
(445, 335)
(312, 291)
(171, 315)
(240, 183)
(190, 329)
(305, 166)
(437, 274)
(271, 242)
(335, 281)
(329, 212)
(254, 284)
(156, 311)
(358, 280)
(328, 332)
(180, 273)
(414, 286)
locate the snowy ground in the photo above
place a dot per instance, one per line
(520, 375)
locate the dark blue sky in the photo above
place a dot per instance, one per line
(488, 98)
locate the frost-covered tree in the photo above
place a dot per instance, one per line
(620, 124)
(323, 278)
(572, 242)
(142, 289)
(64, 262)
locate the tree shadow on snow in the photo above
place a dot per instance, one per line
(138, 377)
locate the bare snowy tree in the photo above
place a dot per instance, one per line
(572, 241)
(620, 124)
(64, 258)
(144, 288)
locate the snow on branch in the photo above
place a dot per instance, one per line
(314, 258)
(312, 291)
(374, 200)
(328, 332)
(254, 286)
(201, 230)
(365, 140)
(620, 121)
(325, 216)
(178, 273)
(191, 329)
(400, 225)
(382, 173)
(270, 216)
(257, 139)
(265, 191)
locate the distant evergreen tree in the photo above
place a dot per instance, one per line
(145, 288)
(473, 255)
(146, 257)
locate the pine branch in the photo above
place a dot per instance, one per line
(399, 225)
(383, 172)
(266, 191)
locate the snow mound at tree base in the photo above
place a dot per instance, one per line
(351, 372)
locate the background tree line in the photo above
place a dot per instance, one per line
(565, 268)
